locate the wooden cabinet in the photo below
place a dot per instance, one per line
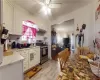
(34, 57)
(31, 57)
(12, 72)
(12, 68)
(19, 17)
(8, 15)
(37, 56)
(13, 17)
(24, 53)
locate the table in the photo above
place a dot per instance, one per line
(77, 70)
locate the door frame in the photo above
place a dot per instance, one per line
(1, 11)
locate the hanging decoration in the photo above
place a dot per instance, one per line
(97, 13)
(77, 28)
(80, 35)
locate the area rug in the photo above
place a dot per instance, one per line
(32, 72)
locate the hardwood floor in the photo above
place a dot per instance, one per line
(49, 71)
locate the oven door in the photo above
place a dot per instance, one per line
(44, 51)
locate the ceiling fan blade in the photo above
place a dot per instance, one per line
(55, 5)
(45, 3)
(39, 2)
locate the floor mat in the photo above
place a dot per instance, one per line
(32, 72)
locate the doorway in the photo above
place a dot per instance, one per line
(62, 36)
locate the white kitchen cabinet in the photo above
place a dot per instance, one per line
(12, 68)
(20, 15)
(24, 53)
(31, 57)
(37, 56)
(13, 17)
(12, 72)
(8, 16)
(34, 57)
(18, 18)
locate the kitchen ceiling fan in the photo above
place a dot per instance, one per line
(49, 3)
(47, 6)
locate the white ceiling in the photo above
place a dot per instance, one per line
(67, 26)
(66, 6)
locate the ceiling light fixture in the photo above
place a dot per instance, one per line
(46, 8)
(47, 2)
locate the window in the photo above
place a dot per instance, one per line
(29, 32)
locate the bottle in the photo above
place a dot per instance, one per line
(4, 35)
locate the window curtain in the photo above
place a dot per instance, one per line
(29, 30)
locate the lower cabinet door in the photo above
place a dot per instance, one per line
(32, 60)
(25, 66)
(25, 62)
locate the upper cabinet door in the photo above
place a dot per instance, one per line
(18, 18)
(8, 16)
(20, 15)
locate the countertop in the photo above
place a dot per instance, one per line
(26, 48)
(8, 60)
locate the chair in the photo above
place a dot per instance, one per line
(62, 58)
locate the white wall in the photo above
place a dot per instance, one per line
(1, 9)
(81, 16)
(85, 15)
(97, 22)
(60, 36)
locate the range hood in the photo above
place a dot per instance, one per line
(41, 31)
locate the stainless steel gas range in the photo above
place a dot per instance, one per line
(43, 52)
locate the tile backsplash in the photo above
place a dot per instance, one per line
(14, 37)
